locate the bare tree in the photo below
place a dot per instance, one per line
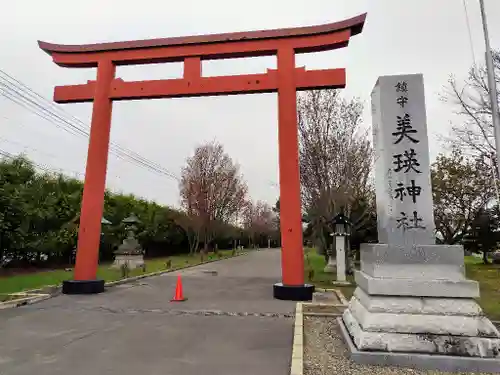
(473, 106)
(191, 224)
(335, 158)
(212, 189)
(259, 220)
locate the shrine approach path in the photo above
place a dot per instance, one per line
(230, 324)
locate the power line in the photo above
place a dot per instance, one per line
(28, 103)
(39, 166)
(51, 169)
(19, 93)
(26, 147)
(20, 101)
(469, 31)
(22, 95)
(3, 139)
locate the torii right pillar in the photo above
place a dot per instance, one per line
(292, 258)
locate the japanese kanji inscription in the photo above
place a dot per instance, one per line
(404, 195)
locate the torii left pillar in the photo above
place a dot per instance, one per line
(87, 254)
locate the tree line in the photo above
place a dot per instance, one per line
(39, 211)
(39, 215)
(214, 195)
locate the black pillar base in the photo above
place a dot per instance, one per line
(83, 286)
(293, 292)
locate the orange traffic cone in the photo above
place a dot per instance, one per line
(178, 297)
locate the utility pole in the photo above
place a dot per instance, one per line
(494, 176)
(492, 85)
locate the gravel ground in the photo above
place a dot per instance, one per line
(325, 353)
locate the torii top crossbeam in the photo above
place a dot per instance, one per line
(193, 49)
(286, 80)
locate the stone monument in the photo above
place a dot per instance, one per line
(129, 252)
(413, 306)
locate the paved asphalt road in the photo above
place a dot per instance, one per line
(230, 325)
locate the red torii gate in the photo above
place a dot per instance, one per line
(191, 50)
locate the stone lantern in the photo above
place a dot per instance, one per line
(76, 222)
(105, 221)
(130, 251)
(342, 229)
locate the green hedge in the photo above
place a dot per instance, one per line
(39, 212)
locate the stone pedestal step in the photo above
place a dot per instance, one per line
(420, 343)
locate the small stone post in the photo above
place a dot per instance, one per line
(340, 247)
(330, 265)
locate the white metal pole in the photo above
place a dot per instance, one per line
(495, 180)
(492, 85)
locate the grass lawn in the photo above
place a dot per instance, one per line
(488, 277)
(18, 283)
(321, 279)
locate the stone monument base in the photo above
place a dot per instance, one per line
(446, 363)
(416, 301)
(133, 261)
(442, 326)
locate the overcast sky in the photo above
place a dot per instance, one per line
(410, 36)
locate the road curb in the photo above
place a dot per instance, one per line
(337, 292)
(23, 301)
(157, 273)
(40, 294)
(297, 363)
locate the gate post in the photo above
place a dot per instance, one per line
(87, 255)
(292, 253)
